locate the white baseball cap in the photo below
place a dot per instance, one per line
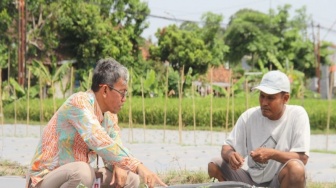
(274, 82)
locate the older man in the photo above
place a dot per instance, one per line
(84, 127)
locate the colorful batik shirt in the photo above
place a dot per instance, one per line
(79, 131)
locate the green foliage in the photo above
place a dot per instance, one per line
(248, 33)
(34, 109)
(85, 84)
(79, 30)
(84, 31)
(18, 89)
(316, 109)
(48, 77)
(213, 36)
(273, 40)
(3, 56)
(181, 49)
(7, 10)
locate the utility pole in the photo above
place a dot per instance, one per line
(22, 42)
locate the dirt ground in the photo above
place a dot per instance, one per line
(165, 150)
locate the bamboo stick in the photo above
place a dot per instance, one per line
(211, 97)
(329, 107)
(28, 102)
(232, 109)
(130, 118)
(41, 105)
(180, 103)
(71, 80)
(165, 107)
(194, 111)
(143, 109)
(228, 106)
(15, 110)
(54, 97)
(246, 92)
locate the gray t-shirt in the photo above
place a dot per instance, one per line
(290, 133)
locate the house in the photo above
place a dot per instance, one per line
(217, 76)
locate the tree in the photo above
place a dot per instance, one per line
(107, 28)
(294, 49)
(248, 34)
(213, 36)
(81, 30)
(8, 18)
(181, 49)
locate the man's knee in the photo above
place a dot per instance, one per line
(293, 171)
(85, 173)
(296, 167)
(212, 169)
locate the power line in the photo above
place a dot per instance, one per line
(330, 29)
(173, 19)
(225, 24)
(180, 19)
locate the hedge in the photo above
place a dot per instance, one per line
(317, 110)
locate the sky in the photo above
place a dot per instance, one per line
(167, 12)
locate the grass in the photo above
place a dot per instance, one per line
(171, 177)
(9, 168)
(323, 151)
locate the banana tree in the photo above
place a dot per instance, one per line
(49, 78)
(85, 84)
(18, 94)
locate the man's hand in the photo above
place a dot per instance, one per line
(262, 155)
(236, 161)
(119, 177)
(149, 178)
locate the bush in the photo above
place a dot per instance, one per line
(317, 110)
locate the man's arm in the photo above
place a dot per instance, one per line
(283, 157)
(234, 159)
(81, 115)
(262, 155)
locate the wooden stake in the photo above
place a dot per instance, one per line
(180, 103)
(165, 107)
(329, 107)
(130, 118)
(211, 97)
(28, 102)
(194, 111)
(143, 109)
(228, 106)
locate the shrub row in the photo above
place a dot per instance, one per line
(155, 111)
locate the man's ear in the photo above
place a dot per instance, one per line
(102, 90)
(286, 97)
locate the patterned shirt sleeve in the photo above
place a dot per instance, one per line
(110, 124)
(80, 113)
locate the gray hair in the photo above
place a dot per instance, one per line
(108, 71)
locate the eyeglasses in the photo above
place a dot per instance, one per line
(122, 94)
